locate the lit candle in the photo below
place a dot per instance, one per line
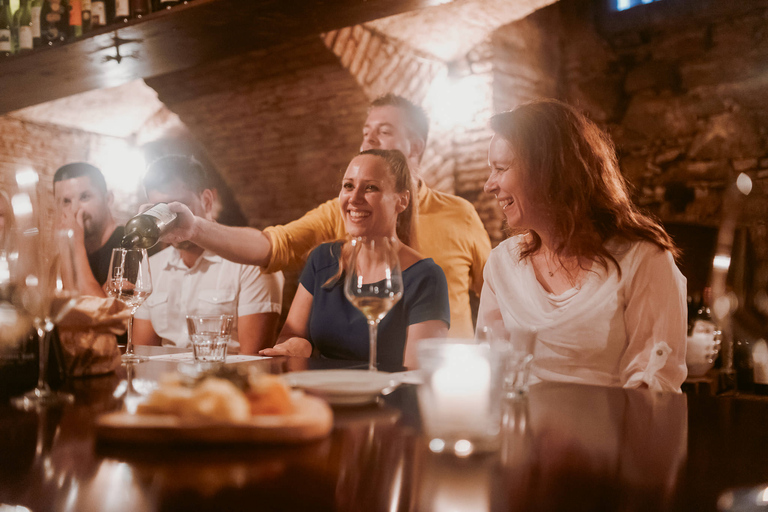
(461, 390)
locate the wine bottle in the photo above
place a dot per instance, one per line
(54, 22)
(15, 28)
(122, 11)
(23, 22)
(34, 11)
(75, 19)
(144, 230)
(167, 4)
(760, 367)
(6, 29)
(86, 10)
(98, 13)
(139, 8)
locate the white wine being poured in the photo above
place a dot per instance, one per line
(144, 230)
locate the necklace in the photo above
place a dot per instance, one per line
(552, 272)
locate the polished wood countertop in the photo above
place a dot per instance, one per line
(567, 447)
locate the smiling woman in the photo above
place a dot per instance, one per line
(375, 200)
(590, 273)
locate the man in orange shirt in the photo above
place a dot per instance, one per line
(448, 228)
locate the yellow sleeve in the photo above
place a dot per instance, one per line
(480, 249)
(292, 242)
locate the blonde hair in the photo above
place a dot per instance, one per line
(397, 165)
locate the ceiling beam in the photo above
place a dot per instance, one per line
(177, 39)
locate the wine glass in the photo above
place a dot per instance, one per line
(130, 282)
(47, 288)
(374, 282)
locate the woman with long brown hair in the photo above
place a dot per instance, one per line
(594, 276)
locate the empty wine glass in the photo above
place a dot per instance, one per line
(374, 282)
(130, 282)
(46, 287)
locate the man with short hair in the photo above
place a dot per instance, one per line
(448, 228)
(83, 203)
(187, 279)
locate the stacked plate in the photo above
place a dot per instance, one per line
(344, 387)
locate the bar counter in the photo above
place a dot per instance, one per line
(567, 447)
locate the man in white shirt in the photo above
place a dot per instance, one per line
(187, 279)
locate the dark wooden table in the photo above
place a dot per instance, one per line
(567, 448)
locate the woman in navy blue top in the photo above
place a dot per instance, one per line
(375, 200)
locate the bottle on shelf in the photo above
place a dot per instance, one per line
(34, 11)
(86, 15)
(99, 16)
(23, 22)
(144, 230)
(760, 367)
(7, 44)
(122, 12)
(75, 19)
(139, 8)
(54, 21)
(165, 4)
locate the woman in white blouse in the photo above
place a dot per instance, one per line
(595, 277)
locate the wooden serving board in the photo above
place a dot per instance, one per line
(313, 419)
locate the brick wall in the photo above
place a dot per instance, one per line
(381, 65)
(44, 148)
(280, 125)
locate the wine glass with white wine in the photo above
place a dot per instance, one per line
(374, 282)
(130, 282)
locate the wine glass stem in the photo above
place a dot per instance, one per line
(129, 344)
(373, 328)
(42, 338)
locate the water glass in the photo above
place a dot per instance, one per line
(210, 336)
(460, 399)
(517, 373)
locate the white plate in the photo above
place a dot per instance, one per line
(344, 387)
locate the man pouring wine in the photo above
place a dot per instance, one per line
(188, 280)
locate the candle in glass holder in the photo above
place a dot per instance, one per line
(460, 399)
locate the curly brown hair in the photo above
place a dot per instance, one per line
(571, 167)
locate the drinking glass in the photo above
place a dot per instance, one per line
(210, 336)
(46, 288)
(518, 358)
(130, 282)
(374, 282)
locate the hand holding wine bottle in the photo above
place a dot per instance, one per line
(145, 229)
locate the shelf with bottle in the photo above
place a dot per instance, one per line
(36, 24)
(173, 40)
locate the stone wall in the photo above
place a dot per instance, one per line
(682, 87)
(685, 102)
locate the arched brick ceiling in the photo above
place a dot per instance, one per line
(449, 31)
(118, 111)
(445, 32)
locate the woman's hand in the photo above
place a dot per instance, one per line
(292, 347)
